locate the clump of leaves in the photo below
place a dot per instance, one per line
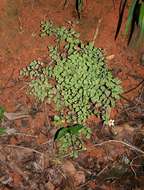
(39, 76)
(58, 121)
(61, 33)
(84, 84)
(70, 140)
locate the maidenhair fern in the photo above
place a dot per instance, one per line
(83, 83)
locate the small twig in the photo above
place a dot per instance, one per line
(82, 168)
(14, 116)
(96, 31)
(127, 100)
(131, 164)
(23, 134)
(61, 172)
(12, 131)
(42, 161)
(120, 142)
(102, 171)
(134, 87)
(11, 86)
(26, 148)
(20, 25)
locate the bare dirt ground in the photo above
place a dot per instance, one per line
(114, 158)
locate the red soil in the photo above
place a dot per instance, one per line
(20, 43)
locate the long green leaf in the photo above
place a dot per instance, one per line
(141, 36)
(74, 129)
(60, 133)
(130, 15)
(141, 18)
(121, 12)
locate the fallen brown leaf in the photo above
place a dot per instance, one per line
(79, 178)
(49, 186)
(69, 168)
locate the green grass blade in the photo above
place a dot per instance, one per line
(79, 5)
(74, 129)
(141, 37)
(121, 12)
(2, 110)
(130, 15)
(60, 133)
(141, 18)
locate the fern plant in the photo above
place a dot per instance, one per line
(83, 83)
(70, 140)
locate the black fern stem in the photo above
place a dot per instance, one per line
(78, 7)
(121, 12)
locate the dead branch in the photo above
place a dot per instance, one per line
(132, 147)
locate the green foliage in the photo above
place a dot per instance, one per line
(135, 17)
(2, 130)
(57, 118)
(41, 89)
(82, 78)
(84, 84)
(58, 121)
(72, 130)
(130, 16)
(39, 75)
(61, 33)
(70, 139)
(47, 28)
(2, 110)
